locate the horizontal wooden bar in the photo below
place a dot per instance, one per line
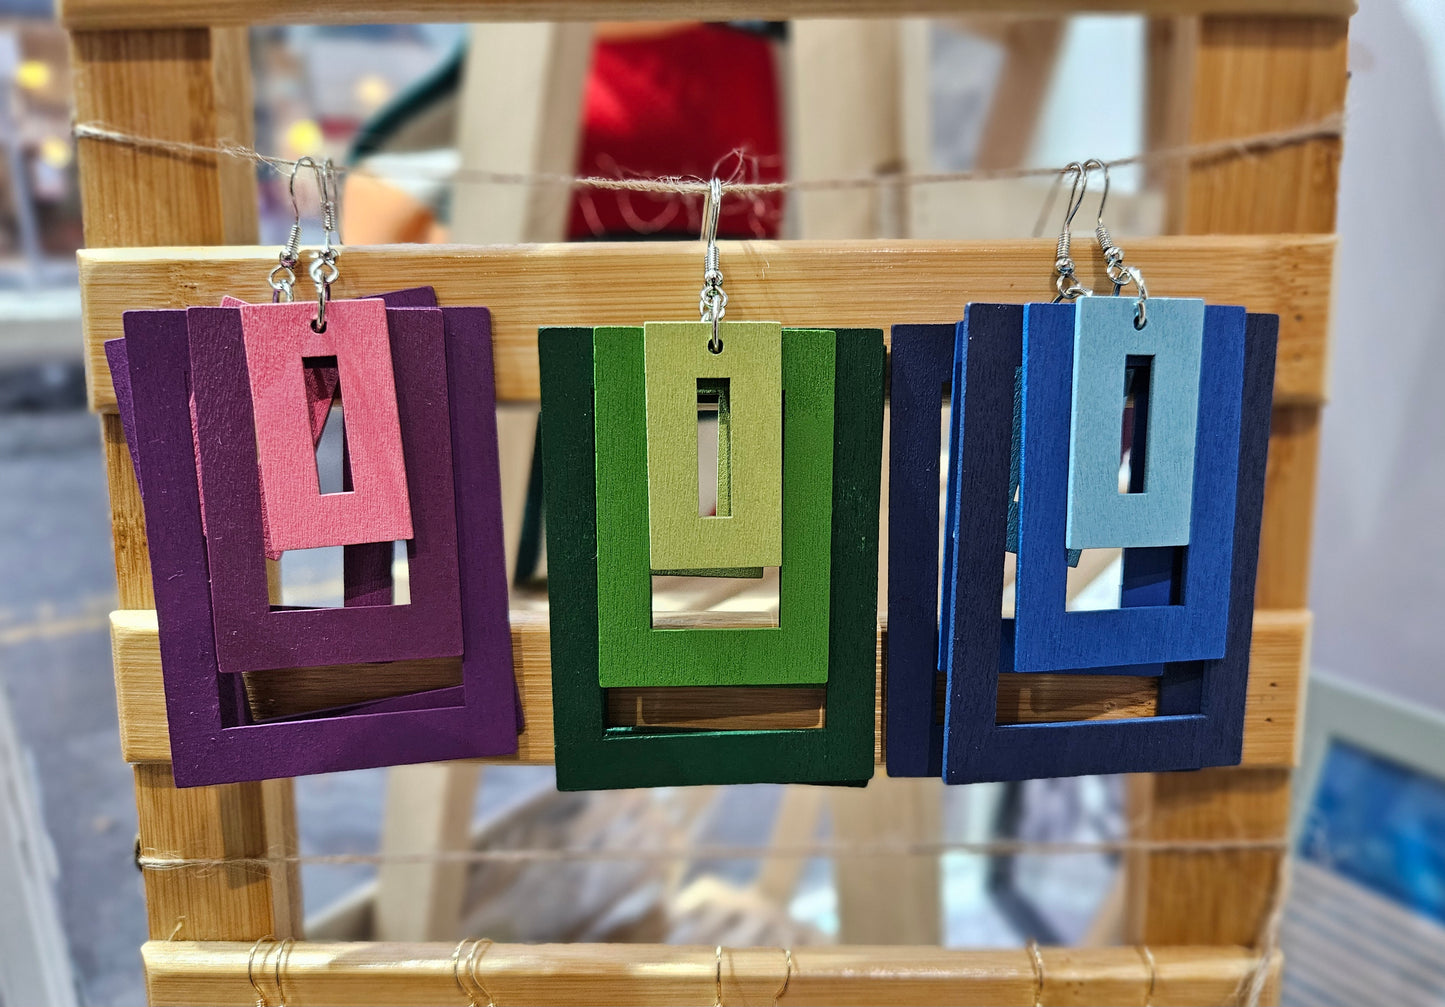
(89, 14)
(1278, 659)
(841, 283)
(190, 972)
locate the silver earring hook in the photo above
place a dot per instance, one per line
(1119, 274)
(324, 270)
(283, 275)
(713, 302)
(1067, 283)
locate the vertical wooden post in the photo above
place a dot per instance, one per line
(844, 88)
(1250, 75)
(186, 85)
(521, 105)
(1031, 50)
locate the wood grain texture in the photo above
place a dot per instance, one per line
(184, 973)
(842, 283)
(169, 84)
(1226, 894)
(212, 741)
(1253, 75)
(1247, 74)
(747, 530)
(208, 903)
(174, 13)
(1202, 703)
(185, 85)
(127, 518)
(1279, 654)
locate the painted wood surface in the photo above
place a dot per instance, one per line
(213, 736)
(848, 283)
(277, 340)
(921, 361)
(1157, 512)
(747, 530)
(251, 634)
(590, 753)
(1135, 636)
(631, 650)
(1200, 714)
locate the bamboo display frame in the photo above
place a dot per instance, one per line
(1254, 228)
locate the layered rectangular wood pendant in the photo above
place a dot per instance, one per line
(1178, 609)
(844, 403)
(1200, 706)
(217, 735)
(251, 633)
(746, 379)
(634, 652)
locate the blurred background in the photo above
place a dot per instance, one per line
(715, 99)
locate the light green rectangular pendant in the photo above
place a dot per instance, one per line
(631, 651)
(747, 530)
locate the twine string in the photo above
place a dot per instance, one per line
(1328, 127)
(156, 861)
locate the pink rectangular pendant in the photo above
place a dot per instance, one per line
(278, 339)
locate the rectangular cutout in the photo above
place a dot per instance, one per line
(718, 708)
(325, 577)
(714, 448)
(214, 735)
(323, 379)
(1036, 699)
(1134, 431)
(250, 635)
(734, 599)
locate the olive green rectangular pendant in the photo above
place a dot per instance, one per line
(632, 652)
(746, 377)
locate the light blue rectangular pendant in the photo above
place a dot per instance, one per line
(1106, 344)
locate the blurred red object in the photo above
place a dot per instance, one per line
(698, 101)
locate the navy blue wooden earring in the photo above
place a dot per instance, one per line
(1038, 413)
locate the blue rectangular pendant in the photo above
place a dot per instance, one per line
(1156, 510)
(1200, 713)
(1188, 621)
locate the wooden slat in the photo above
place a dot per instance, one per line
(843, 283)
(189, 85)
(184, 973)
(1249, 75)
(127, 518)
(1280, 649)
(176, 13)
